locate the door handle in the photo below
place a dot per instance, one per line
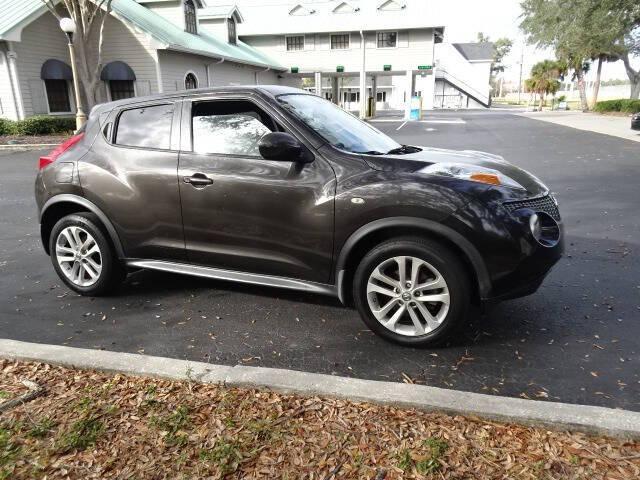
(198, 180)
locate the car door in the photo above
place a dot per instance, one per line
(245, 213)
(131, 175)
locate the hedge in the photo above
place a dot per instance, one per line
(620, 105)
(38, 125)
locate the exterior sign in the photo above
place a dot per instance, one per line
(340, 68)
(425, 67)
(387, 68)
(294, 69)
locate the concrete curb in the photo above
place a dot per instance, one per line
(27, 146)
(557, 416)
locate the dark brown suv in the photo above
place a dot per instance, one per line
(274, 186)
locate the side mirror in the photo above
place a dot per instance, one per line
(284, 147)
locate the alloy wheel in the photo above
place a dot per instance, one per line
(408, 296)
(78, 256)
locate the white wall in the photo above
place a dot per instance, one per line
(414, 47)
(175, 66)
(172, 11)
(216, 27)
(41, 40)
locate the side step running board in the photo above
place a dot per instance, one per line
(232, 276)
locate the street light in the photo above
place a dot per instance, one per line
(68, 26)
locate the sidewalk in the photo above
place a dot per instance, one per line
(593, 122)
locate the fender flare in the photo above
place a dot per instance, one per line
(93, 208)
(429, 226)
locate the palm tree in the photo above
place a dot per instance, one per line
(544, 78)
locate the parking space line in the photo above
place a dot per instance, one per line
(401, 126)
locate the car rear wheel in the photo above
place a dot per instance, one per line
(412, 291)
(83, 257)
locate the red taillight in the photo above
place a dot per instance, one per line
(59, 150)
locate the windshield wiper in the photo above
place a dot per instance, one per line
(370, 152)
(403, 149)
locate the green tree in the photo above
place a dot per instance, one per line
(585, 30)
(544, 78)
(501, 49)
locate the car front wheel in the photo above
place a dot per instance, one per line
(83, 257)
(412, 291)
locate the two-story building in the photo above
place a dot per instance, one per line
(362, 54)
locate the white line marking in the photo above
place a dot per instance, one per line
(401, 126)
(457, 121)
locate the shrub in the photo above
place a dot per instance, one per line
(619, 105)
(44, 125)
(7, 127)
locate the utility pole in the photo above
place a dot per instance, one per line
(520, 81)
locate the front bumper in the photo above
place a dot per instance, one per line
(635, 124)
(527, 277)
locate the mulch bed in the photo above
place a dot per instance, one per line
(97, 425)
(32, 140)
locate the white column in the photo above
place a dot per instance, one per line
(318, 81)
(363, 78)
(15, 81)
(409, 88)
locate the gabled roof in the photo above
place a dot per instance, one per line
(476, 52)
(301, 10)
(199, 3)
(345, 7)
(169, 35)
(221, 11)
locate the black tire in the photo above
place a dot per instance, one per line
(437, 255)
(112, 273)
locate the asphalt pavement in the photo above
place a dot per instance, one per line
(577, 340)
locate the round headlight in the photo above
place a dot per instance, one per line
(534, 226)
(544, 229)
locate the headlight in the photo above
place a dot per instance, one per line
(472, 173)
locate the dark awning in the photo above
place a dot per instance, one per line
(117, 71)
(55, 70)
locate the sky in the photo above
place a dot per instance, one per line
(500, 18)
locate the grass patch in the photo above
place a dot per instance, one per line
(426, 460)
(225, 454)
(82, 434)
(41, 429)
(174, 426)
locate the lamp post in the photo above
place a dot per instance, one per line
(68, 26)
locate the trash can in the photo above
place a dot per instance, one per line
(416, 108)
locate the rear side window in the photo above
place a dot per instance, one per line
(231, 127)
(148, 127)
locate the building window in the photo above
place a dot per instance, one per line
(295, 43)
(120, 89)
(190, 19)
(58, 96)
(190, 81)
(381, 97)
(387, 39)
(340, 42)
(231, 27)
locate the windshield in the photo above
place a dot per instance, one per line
(339, 128)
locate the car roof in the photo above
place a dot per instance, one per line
(264, 90)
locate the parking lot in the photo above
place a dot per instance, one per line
(577, 340)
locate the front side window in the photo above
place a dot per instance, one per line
(229, 127)
(148, 127)
(295, 43)
(340, 42)
(231, 26)
(339, 128)
(190, 81)
(190, 19)
(387, 39)
(58, 96)
(121, 89)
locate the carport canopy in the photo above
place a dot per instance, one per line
(117, 71)
(55, 70)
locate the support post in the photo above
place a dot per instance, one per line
(335, 91)
(374, 94)
(318, 83)
(81, 117)
(363, 78)
(409, 89)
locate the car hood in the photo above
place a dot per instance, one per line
(414, 162)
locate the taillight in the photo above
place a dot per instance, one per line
(59, 150)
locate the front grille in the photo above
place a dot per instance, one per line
(544, 204)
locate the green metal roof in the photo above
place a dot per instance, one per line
(16, 12)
